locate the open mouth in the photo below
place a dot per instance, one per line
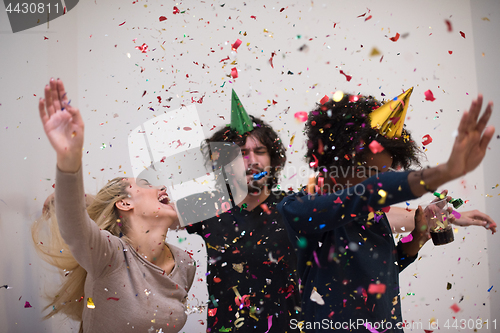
(253, 171)
(163, 198)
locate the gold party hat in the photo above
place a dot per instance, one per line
(390, 117)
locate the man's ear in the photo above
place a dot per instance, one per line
(124, 205)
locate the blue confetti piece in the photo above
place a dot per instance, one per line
(490, 288)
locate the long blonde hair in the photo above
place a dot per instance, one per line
(69, 298)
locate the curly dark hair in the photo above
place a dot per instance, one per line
(344, 131)
(265, 134)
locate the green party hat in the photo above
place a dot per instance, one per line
(240, 121)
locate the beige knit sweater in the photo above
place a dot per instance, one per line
(129, 293)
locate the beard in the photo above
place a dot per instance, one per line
(256, 186)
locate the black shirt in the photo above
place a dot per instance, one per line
(252, 270)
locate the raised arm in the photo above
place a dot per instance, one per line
(467, 153)
(63, 126)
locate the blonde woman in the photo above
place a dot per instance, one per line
(122, 276)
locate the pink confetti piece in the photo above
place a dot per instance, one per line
(369, 17)
(455, 308)
(176, 10)
(234, 72)
(236, 45)
(462, 34)
(347, 77)
(269, 323)
(338, 200)
(162, 18)
(122, 23)
(315, 255)
(456, 214)
(27, 305)
(427, 139)
(376, 288)
(376, 147)
(448, 24)
(429, 96)
(112, 298)
(407, 239)
(450, 52)
(301, 116)
(370, 328)
(254, 17)
(395, 38)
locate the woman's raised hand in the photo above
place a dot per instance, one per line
(63, 126)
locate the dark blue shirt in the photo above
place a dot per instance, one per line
(347, 256)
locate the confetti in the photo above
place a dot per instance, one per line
(315, 297)
(395, 38)
(90, 303)
(375, 52)
(143, 48)
(315, 163)
(324, 100)
(383, 195)
(27, 305)
(347, 77)
(162, 18)
(489, 290)
(269, 323)
(265, 209)
(407, 239)
(301, 116)
(338, 95)
(370, 328)
(455, 308)
(429, 96)
(234, 72)
(123, 23)
(427, 139)
(448, 24)
(376, 288)
(236, 45)
(271, 59)
(462, 34)
(448, 286)
(376, 147)
(176, 10)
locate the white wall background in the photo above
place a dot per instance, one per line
(106, 77)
